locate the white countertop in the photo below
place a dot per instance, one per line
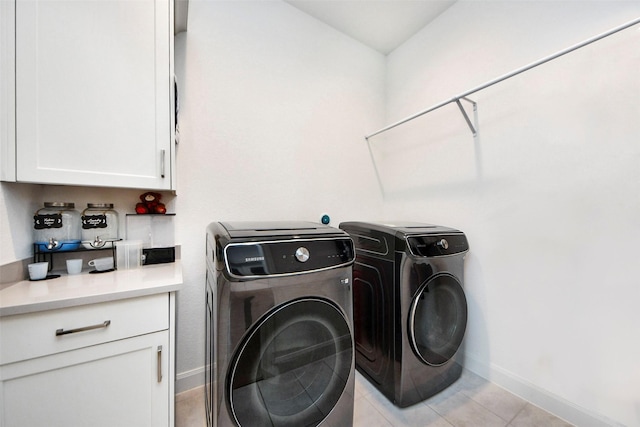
(68, 291)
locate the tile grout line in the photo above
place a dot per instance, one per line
(495, 413)
(517, 414)
(442, 416)
(390, 421)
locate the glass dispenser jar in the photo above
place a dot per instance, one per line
(99, 226)
(56, 227)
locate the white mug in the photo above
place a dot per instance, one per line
(102, 264)
(74, 266)
(38, 270)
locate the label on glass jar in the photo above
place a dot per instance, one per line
(94, 221)
(41, 222)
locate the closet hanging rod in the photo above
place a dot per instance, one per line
(507, 76)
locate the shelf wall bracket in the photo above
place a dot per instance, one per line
(466, 116)
(375, 168)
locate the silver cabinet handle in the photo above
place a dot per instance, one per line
(162, 162)
(84, 328)
(159, 363)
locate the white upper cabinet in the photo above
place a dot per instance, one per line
(94, 93)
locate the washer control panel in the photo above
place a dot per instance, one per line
(286, 257)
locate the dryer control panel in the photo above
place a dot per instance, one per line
(437, 244)
(247, 260)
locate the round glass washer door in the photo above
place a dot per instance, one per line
(292, 366)
(438, 319)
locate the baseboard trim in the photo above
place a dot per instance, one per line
(544, 399)
(188, 380)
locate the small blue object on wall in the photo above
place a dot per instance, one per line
(325, 219)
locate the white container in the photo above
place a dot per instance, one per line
(99, 226)
(38, 270)
(56, 227)
(155, 231)
(128, 254)
(74, 266)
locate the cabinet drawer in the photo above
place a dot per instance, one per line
(32, 335)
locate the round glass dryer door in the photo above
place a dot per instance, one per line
(438, 319)
(292, 366)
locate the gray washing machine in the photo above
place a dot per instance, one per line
(410, 310)
(279, 338)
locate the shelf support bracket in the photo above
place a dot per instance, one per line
(465, 115)
(375, 167)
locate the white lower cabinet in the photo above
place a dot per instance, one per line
(116, 384)
(124, 382)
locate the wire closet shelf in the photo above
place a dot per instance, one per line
(464, 96)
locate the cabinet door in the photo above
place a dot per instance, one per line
(7, 91)
(123, 383)
(93, 92)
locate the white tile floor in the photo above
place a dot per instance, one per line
(470, 401)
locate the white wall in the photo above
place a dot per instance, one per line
(274, 106)
(18, 203)
(548, 194)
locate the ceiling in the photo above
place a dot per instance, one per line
(380, 24)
